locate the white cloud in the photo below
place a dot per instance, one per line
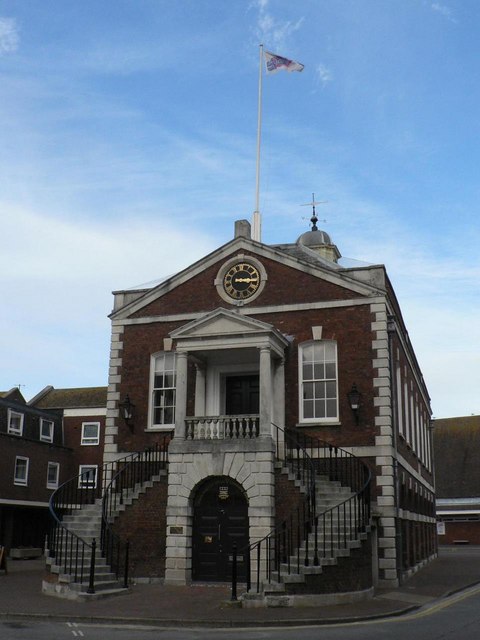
(57, 277)
(273, 32)
(324, 75)
(8, 35)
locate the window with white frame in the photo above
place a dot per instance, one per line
(90, 433)
(15, 423)
(164, 380)
(53, 473)
(46, 430)
(87, 478)
(318, 381)
(21, 471)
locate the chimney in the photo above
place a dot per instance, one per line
(242, 229)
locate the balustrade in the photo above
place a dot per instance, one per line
(221, 427)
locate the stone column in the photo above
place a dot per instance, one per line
(279, 404)
(265, 392)
(279, 394)
(200, 382)
(181, 394)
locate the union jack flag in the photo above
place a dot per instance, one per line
(276, 63)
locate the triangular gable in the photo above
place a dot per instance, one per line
(13, 395)
(337, 277)
(221, 322)
(223, 327)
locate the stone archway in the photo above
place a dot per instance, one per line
(220, 520)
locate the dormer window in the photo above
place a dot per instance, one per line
(15, 423)
(46, 430)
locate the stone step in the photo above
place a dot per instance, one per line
(102, 570)
(101, 581)
(83, 596)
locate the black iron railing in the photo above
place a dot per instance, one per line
(306, 536)
(132, 472)
(107, 488)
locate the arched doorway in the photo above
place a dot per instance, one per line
(220, 519)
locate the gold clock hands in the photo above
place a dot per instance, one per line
(248, 280)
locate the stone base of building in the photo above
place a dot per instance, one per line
(305, 600)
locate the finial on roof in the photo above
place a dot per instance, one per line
(314, 218)
(316, 239)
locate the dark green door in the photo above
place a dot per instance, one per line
(220, 519)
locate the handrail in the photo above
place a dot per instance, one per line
(72, 553)
(70, 550)
(133, 472)
(282, 548)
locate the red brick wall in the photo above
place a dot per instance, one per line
(83, 454)
(288, 497)
(144, 524)
(284, 284)
(350, 326)
(39, 455)
(461, 531)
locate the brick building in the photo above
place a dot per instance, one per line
(297, 417)
(44, 442)
(83, 411)
(457, 478)
(34, 462)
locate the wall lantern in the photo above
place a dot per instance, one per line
(127, 410)
(354, 400)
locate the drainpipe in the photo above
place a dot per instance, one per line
(392, 330)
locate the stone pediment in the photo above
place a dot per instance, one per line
(134, 301)
(221, 322)
(227, 328)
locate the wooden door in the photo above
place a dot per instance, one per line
(220, 520)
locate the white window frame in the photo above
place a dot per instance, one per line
(83, 483)
(12, 431)
(21, 481)
(56, 466)
(327, 419)
(49, 437)
(154, 369)
(401, 424)
(407, 411)
(87, 441)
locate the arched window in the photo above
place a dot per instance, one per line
(318, 381)
(163, 390)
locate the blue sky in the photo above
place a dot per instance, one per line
(128, 132)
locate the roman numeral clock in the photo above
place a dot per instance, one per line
(241, 279)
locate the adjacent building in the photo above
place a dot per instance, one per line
(457, 474)
(35, 461)
(44, 442)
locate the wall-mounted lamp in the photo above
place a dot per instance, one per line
(127, 410)
(354, 400)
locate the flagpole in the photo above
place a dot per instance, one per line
(257, 222)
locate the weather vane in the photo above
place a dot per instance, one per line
(313, 204)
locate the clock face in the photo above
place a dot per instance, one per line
(241, 281)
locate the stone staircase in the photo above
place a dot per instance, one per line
(85, 524)
(297, 582)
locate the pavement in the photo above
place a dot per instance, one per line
(456, 568)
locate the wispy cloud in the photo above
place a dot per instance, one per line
(58, 275)
(272, 31)
(324, 75)
(9, 38)
(444, 11)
